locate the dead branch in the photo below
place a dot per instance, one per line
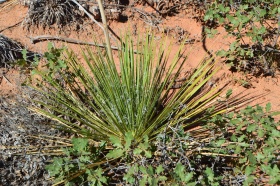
(37, 39)
(14, 25)
(106, 32)
(69, 40)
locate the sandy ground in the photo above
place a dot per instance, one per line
(11, 92)
(259, 85)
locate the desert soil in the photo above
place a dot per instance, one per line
(16, 122)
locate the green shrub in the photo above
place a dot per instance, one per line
(253, 136)
(98, 100)
(234, 148)
(255, 27)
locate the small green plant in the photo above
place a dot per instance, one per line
(255, 27)
(243, 82)
(252, 136)
(232, 148)
(76, 165)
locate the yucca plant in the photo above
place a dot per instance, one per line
(136, 95)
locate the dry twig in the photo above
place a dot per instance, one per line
(69, 40)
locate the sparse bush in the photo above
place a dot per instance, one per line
(49, 12)
(232, 149)
(255, 27)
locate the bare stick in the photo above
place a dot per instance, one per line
(106, 32)
(69, 40)
(7, 79)
(10, 26)
(104, 27)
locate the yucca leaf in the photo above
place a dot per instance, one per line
(132, 96)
